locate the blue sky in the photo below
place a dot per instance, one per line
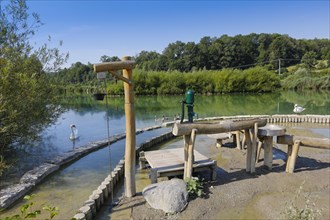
(90, 29)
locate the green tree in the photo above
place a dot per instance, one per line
(106, 58)
(27, 100)
(309, 59)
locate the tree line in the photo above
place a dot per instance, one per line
(218, 65)
(240, 51)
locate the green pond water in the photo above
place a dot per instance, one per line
(72, 185)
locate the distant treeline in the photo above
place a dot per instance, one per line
(243, 63)
(240, 51)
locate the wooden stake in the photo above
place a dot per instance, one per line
(130, 151)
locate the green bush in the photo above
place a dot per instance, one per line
(195, 187)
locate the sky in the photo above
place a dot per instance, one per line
(90, 29)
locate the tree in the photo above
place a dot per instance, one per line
(283, 47)
(106, 58)
(309, 59)
(27, 100)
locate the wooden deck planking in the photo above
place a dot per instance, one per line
(170, 162)
(172, 158)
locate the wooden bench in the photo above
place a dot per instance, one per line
(294, 143)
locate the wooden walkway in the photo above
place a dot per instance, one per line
(170, 162)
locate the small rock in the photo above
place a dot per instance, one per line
(169, 196)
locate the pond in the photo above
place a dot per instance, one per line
(75, 182)
(90, 118)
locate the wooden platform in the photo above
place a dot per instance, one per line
(170, 162)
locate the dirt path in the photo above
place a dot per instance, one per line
(239, 195)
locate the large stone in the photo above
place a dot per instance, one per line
(39, 173)
(9, 195)
(169, 196)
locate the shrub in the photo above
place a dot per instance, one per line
(195, 187)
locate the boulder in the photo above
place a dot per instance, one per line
(9, 195)
(39, 173)
(170, 196)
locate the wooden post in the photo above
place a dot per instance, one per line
(259, 150)
(243, 142)
(268, 151)
(130, 151)
(249, 149)
(186, 139)
(191, 154)
(238, 140)
(294, 156)
(288, 157)
(254, 147)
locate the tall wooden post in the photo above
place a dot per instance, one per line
(126, 65)
(130, 134)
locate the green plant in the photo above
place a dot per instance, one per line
(307, 212)
(195, 187)
(27, 210)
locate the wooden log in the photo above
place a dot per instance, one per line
(113, 66)
(294, 155)
(206, 128)
(130, 150)
(323, 143)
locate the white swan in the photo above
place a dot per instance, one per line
(74, 132)
(298, 109)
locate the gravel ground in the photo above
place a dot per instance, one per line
(237, 194)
